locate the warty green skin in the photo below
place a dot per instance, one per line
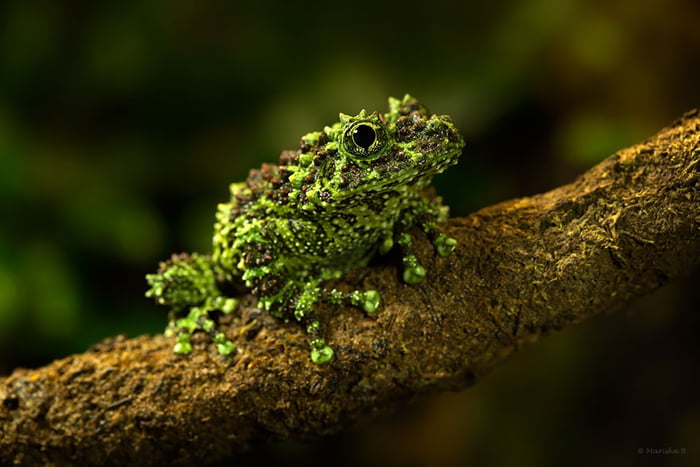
(349, 192)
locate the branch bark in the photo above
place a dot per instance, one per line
(523, 268)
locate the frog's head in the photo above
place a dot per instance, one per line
(368, 155)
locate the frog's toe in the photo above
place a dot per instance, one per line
(370, 301)
(223, 345)
(414, 275)
(445, 245)
(413, 271)
(321, 352)
(183, 345)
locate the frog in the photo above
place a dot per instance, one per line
(350, 192)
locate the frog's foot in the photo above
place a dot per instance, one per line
(443, 244)
(369, 300)
(413, 271)
(311, 293)
(436, 212)
(184, 343)
(198, 319)
(320, 351)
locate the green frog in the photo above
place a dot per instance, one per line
(350, 192)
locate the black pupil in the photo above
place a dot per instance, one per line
(364, 136)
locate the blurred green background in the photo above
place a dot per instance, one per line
(122, 124)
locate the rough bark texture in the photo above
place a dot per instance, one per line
(523, 267)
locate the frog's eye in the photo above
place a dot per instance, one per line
(364, 139)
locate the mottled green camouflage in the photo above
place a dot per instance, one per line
(349, 192)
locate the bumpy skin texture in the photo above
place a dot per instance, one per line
(349, 192)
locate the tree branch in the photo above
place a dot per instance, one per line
(523, 268)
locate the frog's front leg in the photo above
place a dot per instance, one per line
(286, 276)
(443, 244)
(296, 298)
(413, 271)
(321, 352)
(426, 214)
(301, 295)
(188, 284)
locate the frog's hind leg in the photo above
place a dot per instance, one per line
(188, 283)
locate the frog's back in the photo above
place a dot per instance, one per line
(261, 225)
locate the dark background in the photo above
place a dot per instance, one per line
(122, 124)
